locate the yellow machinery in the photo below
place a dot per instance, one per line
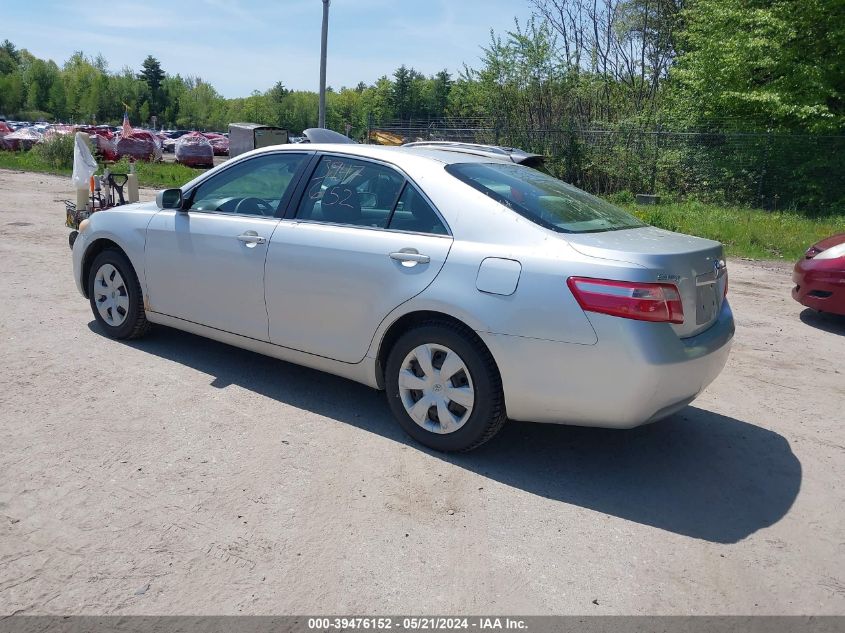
(386, 138)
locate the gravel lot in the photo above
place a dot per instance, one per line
(178, 475)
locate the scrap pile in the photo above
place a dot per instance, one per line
(195, 150)
(219, 143)
(111, 143)
(58, 130)
(4, 130)
(23, 138)
(138, 145)
(102, 139)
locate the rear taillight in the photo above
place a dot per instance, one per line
(630, 300)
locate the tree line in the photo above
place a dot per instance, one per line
(83, 90)
(608, 90)
(702, 64)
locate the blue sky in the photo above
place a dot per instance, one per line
(244, 45)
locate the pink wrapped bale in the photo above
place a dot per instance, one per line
(194, 150)
(139, 145)
(58, 130)
(4, 130)
(219, 143)
(103, 147)
(24, 138)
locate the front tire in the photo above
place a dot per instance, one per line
(115, 295)
(443, 387)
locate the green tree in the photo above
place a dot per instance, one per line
(152, 75)
(200, 106)
(277, 93)
(441, 86)
(81, 87)
(300, 110)
(144, 114)
(377, 100)
(401, 92)
(11, 94)
(10, 58)
(56, 104)
(172, 90)
(762, 64)
(39, 78)
(344, 108)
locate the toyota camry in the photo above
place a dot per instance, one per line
(469, 287)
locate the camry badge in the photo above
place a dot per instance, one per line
(667, 277)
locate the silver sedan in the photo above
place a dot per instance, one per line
(470, 288)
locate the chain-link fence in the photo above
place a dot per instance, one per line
(769, 170)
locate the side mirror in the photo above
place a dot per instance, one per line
(169, 199)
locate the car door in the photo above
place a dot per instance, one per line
(205, 263)
(363, 240)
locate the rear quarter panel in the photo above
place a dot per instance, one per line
(542, 306)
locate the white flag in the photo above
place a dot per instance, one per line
(84, 164)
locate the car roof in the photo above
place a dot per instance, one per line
(394, 154)
(405, 158)
(511, 154)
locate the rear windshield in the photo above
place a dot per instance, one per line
(543, 199)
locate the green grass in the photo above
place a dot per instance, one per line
(154, 175)
(745, 232)
(29, 161)
(159, 175)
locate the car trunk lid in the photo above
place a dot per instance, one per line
(695, 265)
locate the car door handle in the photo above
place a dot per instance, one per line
(251, 237)
(411, 258)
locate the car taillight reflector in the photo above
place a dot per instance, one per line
(630, 300)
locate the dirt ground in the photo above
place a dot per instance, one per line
(175, 475)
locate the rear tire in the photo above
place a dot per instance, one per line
(115, 296)
(444, 388)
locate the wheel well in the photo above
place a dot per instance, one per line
(96, 247)
(407, 322)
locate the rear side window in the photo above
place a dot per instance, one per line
(350, 191)
(414, 213)
(543, 199)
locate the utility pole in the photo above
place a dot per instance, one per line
(324, 39)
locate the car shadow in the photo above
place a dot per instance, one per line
(698, 473)
(833, 323)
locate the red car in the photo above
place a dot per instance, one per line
(194, 150)
(819, 276)
(219, 143)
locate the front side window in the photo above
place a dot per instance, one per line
(543, 199)
(350, 191)
(253, 187)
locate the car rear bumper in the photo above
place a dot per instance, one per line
(636, 373)
(819, 284)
